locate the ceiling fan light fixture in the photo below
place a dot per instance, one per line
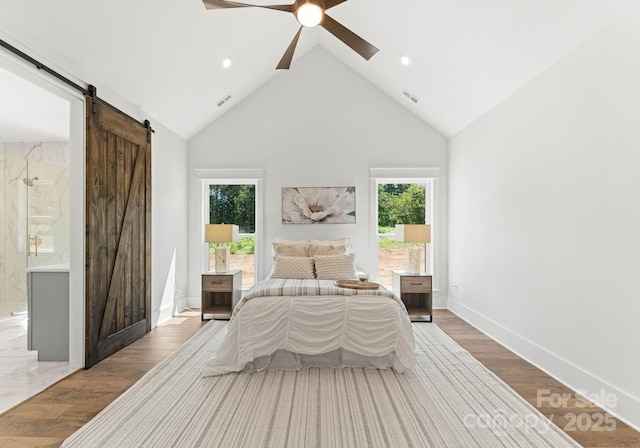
(309, 14)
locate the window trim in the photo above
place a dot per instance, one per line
(255, 177)
(407, 175)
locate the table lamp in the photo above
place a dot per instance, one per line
(221, 233)
(413, 233)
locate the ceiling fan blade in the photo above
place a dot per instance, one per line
(331, 3)
(357, 44)
(285, 62)
(221, 4)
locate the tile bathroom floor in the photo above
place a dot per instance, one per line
(21, 375)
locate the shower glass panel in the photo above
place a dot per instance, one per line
(35, 215)
(47, 214)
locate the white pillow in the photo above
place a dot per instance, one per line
(292, 267)
(335, 267)
(290, 248)
(330, 247)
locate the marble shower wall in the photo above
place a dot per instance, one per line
(34, 200)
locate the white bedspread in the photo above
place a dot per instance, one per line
(313, 317)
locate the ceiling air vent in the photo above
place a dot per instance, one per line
(410, 96)
(224, 100)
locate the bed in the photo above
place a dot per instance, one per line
(299, 317)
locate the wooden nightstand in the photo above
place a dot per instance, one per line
(221, 291)
(416, 293)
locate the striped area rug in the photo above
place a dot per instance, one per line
(448, 400)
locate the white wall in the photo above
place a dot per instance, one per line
(319, 124)
(545, 218)
(169, 219)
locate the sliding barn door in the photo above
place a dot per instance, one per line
(118, 231)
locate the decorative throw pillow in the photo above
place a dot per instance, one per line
(290, 248)
(335, 267)
(292, 267)
(330, 247)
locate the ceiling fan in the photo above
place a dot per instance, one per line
(309, 13)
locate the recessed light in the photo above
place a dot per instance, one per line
(405, 60)
(226, 62)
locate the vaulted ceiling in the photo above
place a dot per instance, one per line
(165, 56)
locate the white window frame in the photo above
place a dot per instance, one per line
(232, 177)
(429, 176)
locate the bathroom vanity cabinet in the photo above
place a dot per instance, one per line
(48, 312)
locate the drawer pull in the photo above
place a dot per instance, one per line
(216, 283)
(416, 284)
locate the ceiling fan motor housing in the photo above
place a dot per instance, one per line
(309, 12)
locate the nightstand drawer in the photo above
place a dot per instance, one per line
(217, 283)
(415, 284)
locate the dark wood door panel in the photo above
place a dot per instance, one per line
(116, 123)
(118, 238)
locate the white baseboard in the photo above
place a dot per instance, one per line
(179, 305)
(439, 302)
(626, 406)
(165, 313)
(193, 302)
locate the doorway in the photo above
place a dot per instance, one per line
(35, 217)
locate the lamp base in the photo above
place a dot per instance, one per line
(412, 259)
(222, 258)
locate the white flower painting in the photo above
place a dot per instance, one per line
(319, 205)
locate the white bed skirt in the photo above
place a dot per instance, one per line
(286, 360)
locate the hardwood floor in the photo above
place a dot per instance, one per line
(48, 418)
(529, 382)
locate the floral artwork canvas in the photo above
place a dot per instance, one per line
(319, 205)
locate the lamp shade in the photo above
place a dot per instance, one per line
(413, 233)
(221, 233)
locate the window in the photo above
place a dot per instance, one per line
(235, 204)
(400, 203)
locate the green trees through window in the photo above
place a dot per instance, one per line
(400, 204)
(236, 204)
(233, 204)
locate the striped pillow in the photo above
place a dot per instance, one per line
(335, 267)
(292, 267)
